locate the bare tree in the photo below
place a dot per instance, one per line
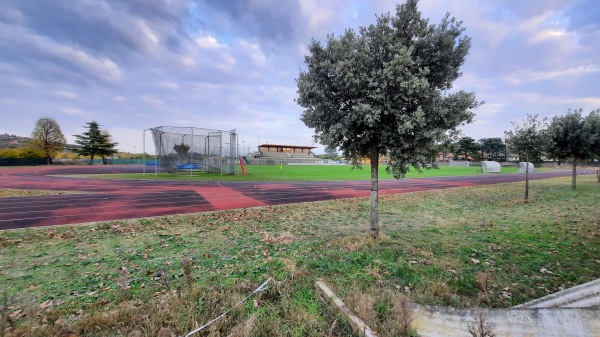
(47, 138)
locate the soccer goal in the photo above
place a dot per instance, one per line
(195, 149)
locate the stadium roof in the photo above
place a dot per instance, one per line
(292, 146)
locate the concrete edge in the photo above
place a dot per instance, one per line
(564, 297)
(541, 322)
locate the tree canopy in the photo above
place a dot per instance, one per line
(467, 148)
(47, 138)
(386, 90)
(527, 141)
(95, 142)
(573, 137)
(592, 128)
(492, 149)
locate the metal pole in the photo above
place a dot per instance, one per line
(157, 155)
(205, 151)
(144, 150)
(192, 154)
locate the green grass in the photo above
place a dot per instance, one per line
(471, 246)
(301, 172)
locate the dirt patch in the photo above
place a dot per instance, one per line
(7, 192)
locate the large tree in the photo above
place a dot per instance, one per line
(467, 148)
(592, 128)
(386, 90)
(527, 141)
(573, 137)
(95, 142)
(492, 148)
(47, 138)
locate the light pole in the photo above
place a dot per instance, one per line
(243, 147)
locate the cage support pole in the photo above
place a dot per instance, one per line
(144, 151)
(192, 155)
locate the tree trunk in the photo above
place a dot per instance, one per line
(92, 160)
(374, 192)
(526, 178)
(574, 178)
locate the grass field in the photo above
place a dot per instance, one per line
(472, 246)
(301, 172)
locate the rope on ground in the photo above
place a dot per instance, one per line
(257, 290)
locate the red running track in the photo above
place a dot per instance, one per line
(103, 199)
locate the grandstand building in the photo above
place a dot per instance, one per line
(287, 150)
(285, 154)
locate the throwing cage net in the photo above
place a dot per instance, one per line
(195, 149)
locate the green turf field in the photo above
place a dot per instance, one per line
(302, 172)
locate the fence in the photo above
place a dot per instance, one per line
(22, 161)
(189, 148)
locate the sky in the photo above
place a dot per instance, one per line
(132, 65)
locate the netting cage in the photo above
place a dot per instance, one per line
(195, 149)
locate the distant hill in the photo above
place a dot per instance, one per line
(12, 141)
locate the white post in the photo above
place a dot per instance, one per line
(192, 154)
(144, 150)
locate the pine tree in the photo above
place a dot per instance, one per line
(95, 142)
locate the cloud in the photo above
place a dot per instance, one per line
(583, 16)
(207, 42)
(536, 76)
(253, 52)
(51, 59)
(168, 85)
(71, 111)
(273, 22)
(65, 94)
(136, 64)
(153, 101)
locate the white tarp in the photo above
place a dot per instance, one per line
(490, 167)
(522, 167)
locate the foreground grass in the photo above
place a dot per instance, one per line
(301, 172)
(476, 246)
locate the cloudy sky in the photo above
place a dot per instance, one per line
(231, 64)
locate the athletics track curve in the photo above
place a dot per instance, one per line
(105, 199)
